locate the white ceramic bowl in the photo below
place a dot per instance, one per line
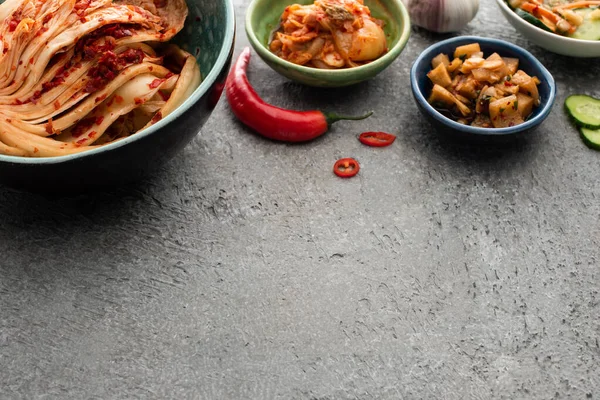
(550, 41)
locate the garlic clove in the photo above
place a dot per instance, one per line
(442, 15)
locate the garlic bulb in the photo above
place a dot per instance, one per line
(442, 15)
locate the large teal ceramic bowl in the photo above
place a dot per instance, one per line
(209, 33)
(262, 17)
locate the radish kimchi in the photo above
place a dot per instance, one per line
(78, 74)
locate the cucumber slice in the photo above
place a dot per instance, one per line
(589, 29)
(591, 137)
(585, 110)
(531, 19)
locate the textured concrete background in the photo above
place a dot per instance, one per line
(246, 269)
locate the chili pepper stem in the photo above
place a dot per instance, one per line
(333, 117)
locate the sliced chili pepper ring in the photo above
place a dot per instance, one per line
(346, 167)
(376, 139)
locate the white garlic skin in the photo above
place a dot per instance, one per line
(442, 15)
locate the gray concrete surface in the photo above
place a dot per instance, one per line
(245, 269)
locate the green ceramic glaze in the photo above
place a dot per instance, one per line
(203, 34)
(262, 17)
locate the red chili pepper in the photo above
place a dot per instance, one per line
(273, 122)
(376, 139)
(346, 167)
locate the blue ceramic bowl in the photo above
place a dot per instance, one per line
(209, 33)
(421, 85)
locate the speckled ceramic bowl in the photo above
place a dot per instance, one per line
(262, 17)
(421, 87)
(209, 33)
(550, 41)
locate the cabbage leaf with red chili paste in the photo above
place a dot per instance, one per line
(78, 74)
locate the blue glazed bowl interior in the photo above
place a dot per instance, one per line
(421, 85)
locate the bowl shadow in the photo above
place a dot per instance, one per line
(482, 155)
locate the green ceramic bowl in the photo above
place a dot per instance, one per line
(262, 17)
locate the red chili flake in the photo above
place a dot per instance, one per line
(12, 25)
(82, 5)
(165, 96)
(135, 56)
(151, 68)
(108, 67)
(81, 142)
(49, 129)
(41, 31)
(157, 117)
(101, 98)
(138, 101)
(102, 40)
(9, 121)
(508, 83)
(99, 120)
(92, 134)
(58, 80)
(80, 8)
(156, 83)
(31, 60)
(118, 99)
(56, 105)
(21, 62)
(35, 150)
(82, 126)
(36, 96)
(18, 102)
(76, 132)
(170, 74)
(47, 18)
(110, 102)
(5, 50)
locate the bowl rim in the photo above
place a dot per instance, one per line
(553, 36)
(200, 91)
(373, 66)
(426, 56)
